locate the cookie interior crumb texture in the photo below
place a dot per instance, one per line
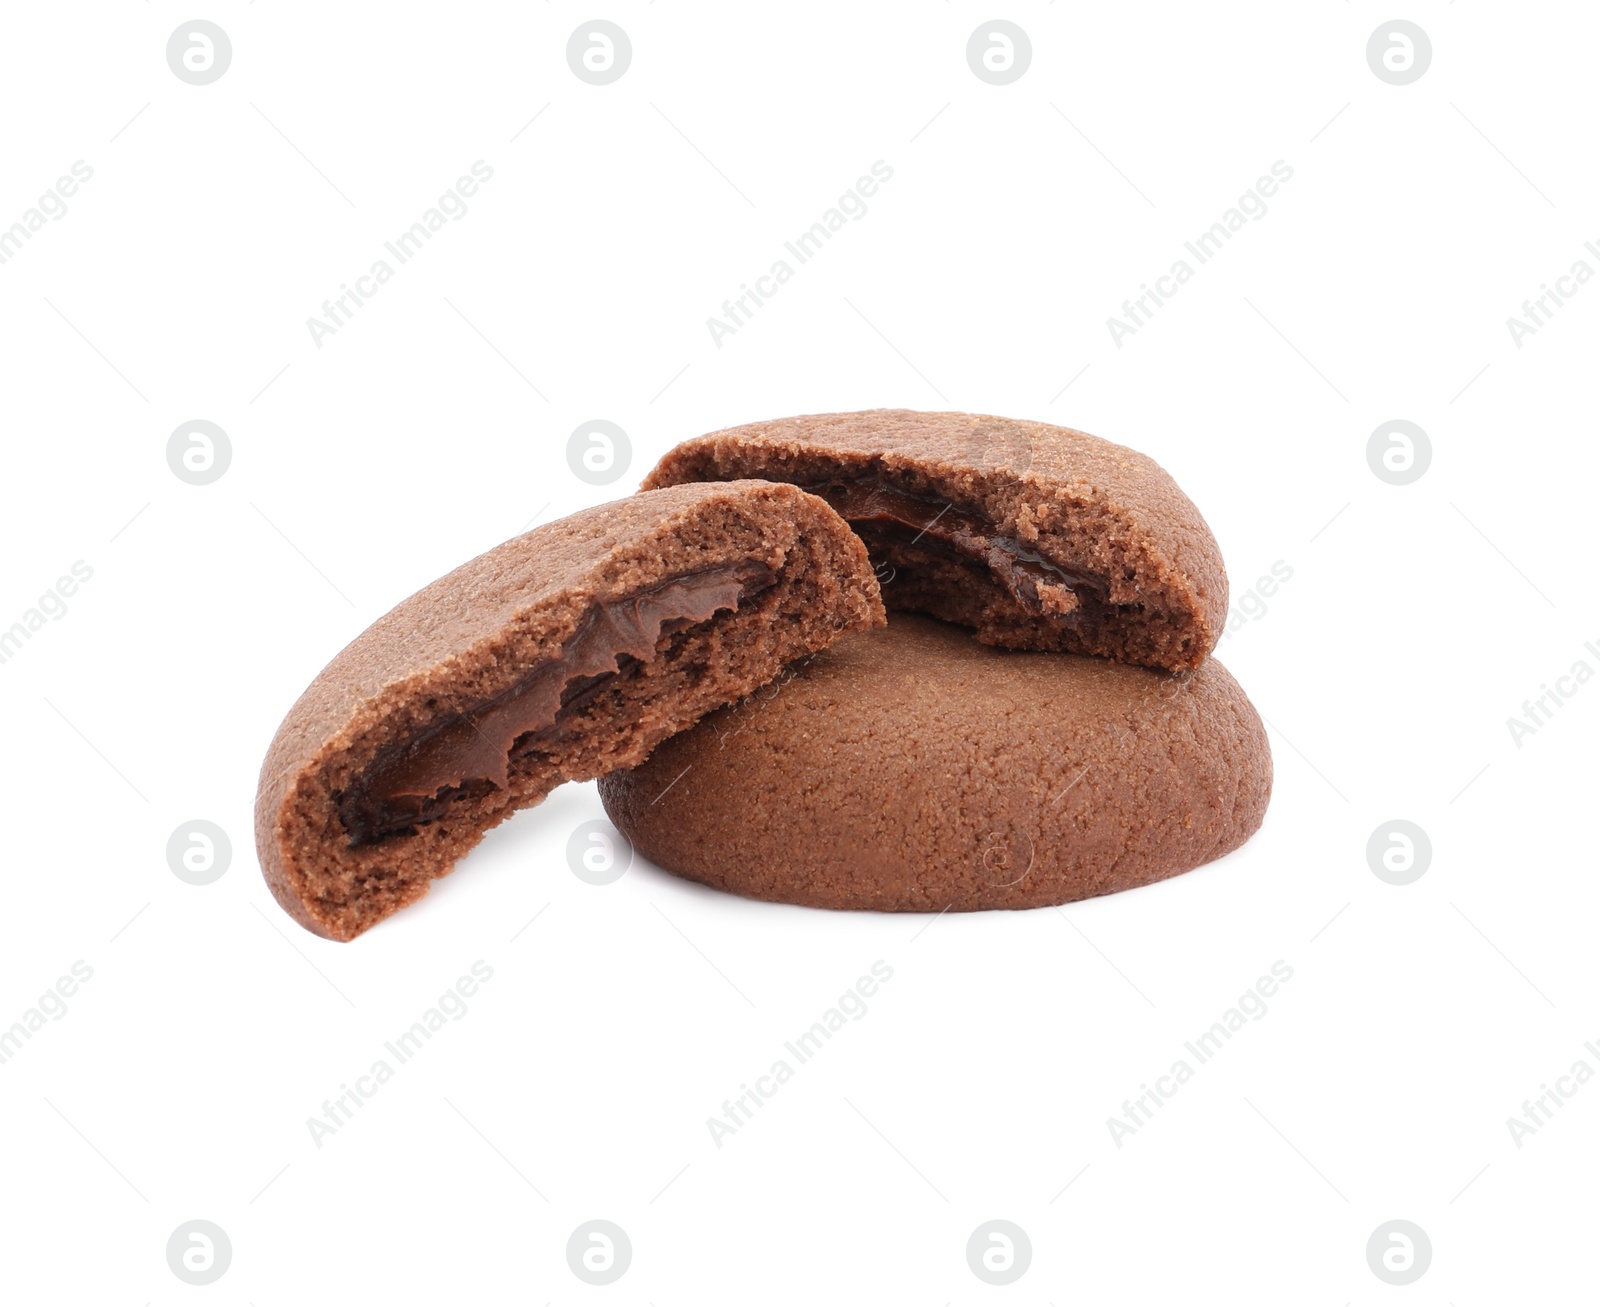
(561, 655)
(912, 769)
(1035, 536)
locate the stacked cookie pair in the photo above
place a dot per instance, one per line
(1036, 722)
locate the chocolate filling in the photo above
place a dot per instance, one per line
(894, 514)
(417, 778)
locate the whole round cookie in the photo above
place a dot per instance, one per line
(1036, 536)
(912, 769)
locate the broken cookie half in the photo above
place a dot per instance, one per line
(1037, 537)
(562, 655)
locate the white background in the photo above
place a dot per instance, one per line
(1417, 620)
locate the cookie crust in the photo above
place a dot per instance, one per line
(471, 638)
(1061, 540)
(912, 769)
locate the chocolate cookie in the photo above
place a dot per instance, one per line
(1038, 537)
(912, 769)
(561, 655)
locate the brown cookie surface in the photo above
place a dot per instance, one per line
(560, 655)
(912, 769)
(1037, 537)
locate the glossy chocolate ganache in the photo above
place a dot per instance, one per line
(882, 512)
(416, 779)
